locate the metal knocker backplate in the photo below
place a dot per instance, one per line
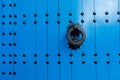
(75, 36)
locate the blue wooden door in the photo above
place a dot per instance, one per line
(33, 43)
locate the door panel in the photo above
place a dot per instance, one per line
(34, 45)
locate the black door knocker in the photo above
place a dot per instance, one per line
(75, 36)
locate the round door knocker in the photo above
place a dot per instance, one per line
(75, 36)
